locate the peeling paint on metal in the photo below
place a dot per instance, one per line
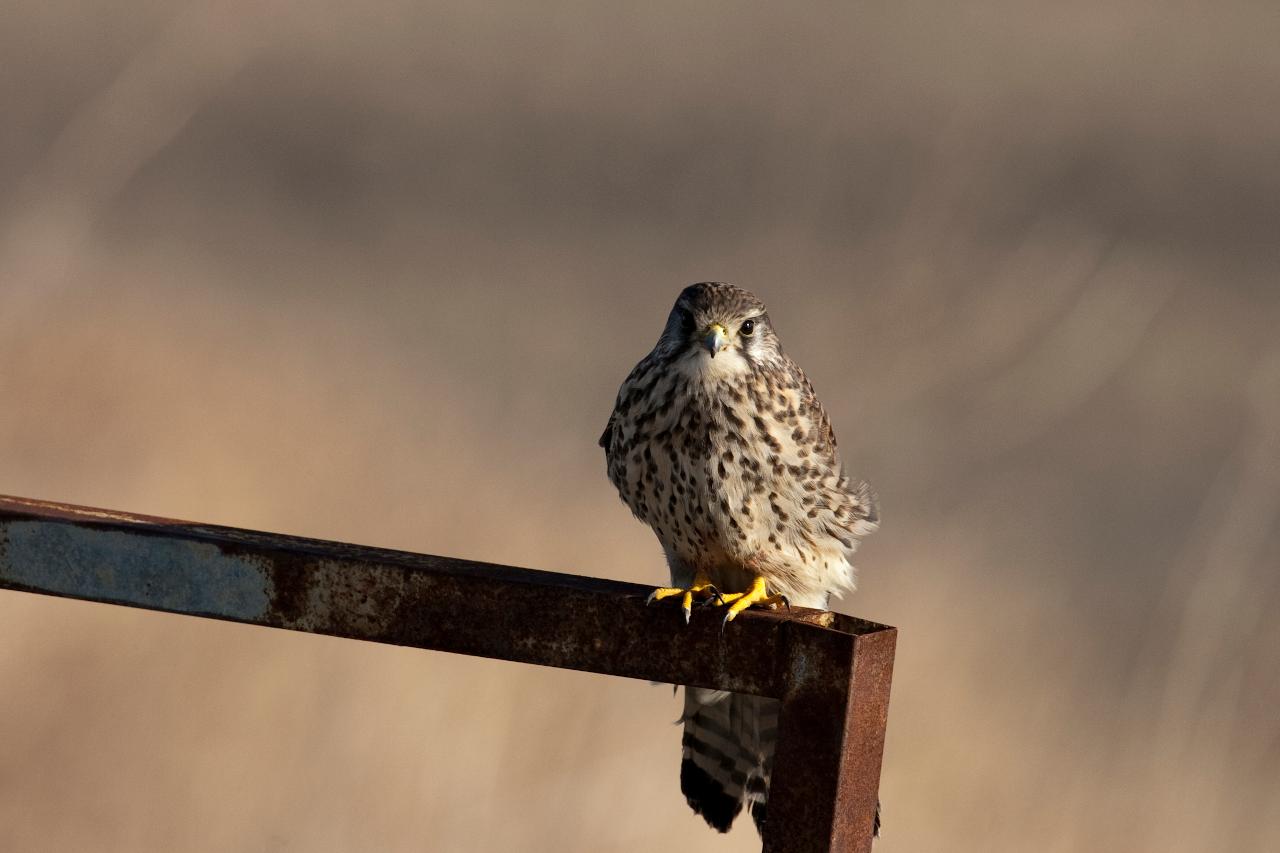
(168, 574)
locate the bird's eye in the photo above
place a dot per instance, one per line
(747, 328)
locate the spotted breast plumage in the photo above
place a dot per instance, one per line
(718, 442)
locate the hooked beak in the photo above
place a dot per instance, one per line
(714, 338)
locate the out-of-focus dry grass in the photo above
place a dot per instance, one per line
(373, 272)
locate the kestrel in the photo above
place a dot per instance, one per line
(718, 442)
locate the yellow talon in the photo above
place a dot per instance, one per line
(702, 588)
(756, 595)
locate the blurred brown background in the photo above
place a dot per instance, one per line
(374, 271)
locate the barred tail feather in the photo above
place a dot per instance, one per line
(729, 743)
(728, 754)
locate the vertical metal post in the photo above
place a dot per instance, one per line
(826, 775)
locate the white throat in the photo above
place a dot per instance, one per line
(726, 364)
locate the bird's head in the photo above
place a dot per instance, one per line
(720, 328)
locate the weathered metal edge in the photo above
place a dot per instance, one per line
(230, 537)
(388, 596)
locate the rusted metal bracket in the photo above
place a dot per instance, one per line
(831, 672)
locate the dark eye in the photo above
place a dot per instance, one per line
(747, 328)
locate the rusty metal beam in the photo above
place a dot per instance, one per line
(832, 672)
(826, 770)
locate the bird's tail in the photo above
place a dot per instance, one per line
(729, 742)
(728, 754)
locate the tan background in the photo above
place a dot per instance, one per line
(373, 272)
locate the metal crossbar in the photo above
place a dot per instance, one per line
(831, 672)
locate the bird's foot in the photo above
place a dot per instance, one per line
(757, 595)
(701, 589)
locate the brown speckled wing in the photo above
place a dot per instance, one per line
(863, 515)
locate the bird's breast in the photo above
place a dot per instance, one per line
(724, 487)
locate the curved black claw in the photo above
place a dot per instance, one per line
(713, 597)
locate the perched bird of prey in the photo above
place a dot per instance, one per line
(718, 442)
